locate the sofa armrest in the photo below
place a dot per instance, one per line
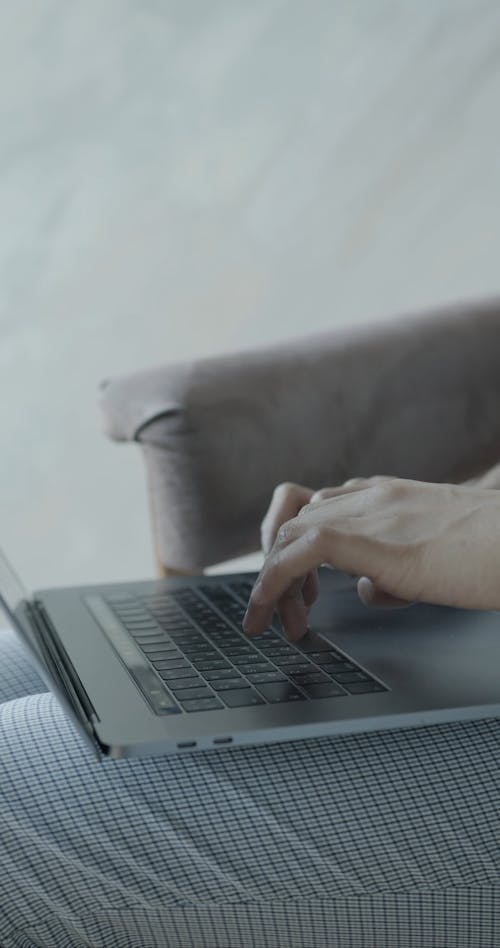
(417, 397)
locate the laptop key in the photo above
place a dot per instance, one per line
(266, 676)
(218, 674)
(348, 676)
(157, 653)
(200, 692)
(149, 633)
(149, 638)
(187, 638)
(199, 647)
(166, 662)
(360, 687)
(324, 658)
(163, 606)
(173, 673)
(223, 684)
(230, 641)
(134, 614)
(196, 657)
(211, 664)
(201, 704)
(276, 692)
(293, 659)
(309, 678)
(240, 651)
(164, 656)
(185, 683)
(329, 690)
(152, 641)
(290, 667)
(243, 697)
(272, 647)
(172, 663)
(311, 642)
(277, 651)
(254, 668)
(166, 609)
(225, 632)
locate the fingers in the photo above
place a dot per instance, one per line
(294, 605)
(310, 588)
(289, 504)
(285, 565)
(285, 504)
(293, 610)
(289, 499)
(350, 486)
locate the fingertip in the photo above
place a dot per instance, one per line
(265, 543)
(365, 590)
(310, 588)
(373, 597)
(293, 615)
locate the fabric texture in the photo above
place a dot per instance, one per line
(417, 397)
(388, 839)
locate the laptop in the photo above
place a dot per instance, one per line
(163, 666)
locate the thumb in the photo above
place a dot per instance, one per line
(371, 595)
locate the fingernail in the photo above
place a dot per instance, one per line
(244, 624)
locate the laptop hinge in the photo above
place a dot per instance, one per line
(62, 670)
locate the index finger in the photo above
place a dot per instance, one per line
(285, 504)
(289, 563)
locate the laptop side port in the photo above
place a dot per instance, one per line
(222, 740)
(186, 743)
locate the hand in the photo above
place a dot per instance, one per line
(415, 541)
(287, 501)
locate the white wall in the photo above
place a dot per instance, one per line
(186, 177)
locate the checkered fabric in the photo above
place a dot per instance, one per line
(362, 841)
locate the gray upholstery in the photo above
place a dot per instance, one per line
(416, 397)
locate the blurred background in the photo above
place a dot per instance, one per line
(181, 178)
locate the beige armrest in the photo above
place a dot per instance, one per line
(416, 397)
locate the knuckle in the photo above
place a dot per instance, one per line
(271, 572)
(285, 532)
(322, 494)
(382, 489)
(282, 534)
(389, 490)
(305, 509)
(396, 487)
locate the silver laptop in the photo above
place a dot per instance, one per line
(152, 668)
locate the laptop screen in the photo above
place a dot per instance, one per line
(15, 604)
(12, 591)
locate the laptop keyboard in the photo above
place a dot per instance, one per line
(192, 638)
